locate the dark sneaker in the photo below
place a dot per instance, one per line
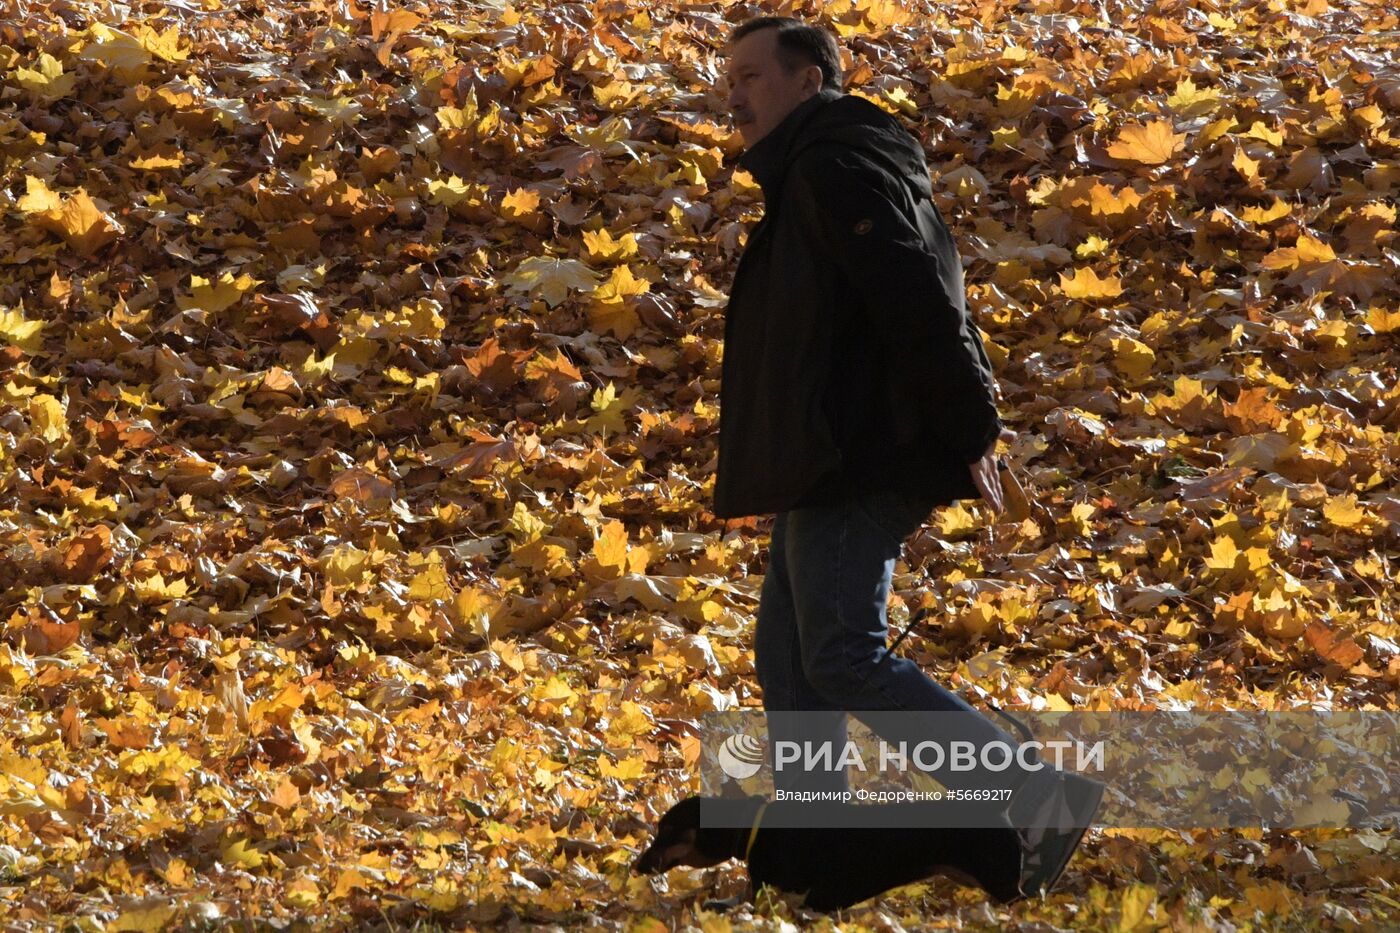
(1051, 814)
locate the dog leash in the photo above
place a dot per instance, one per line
(753, 833)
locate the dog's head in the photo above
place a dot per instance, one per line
(681, 840)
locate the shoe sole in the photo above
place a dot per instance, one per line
(1082, 795)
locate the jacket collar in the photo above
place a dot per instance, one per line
(766, 160)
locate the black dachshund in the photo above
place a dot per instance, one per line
(837, 866)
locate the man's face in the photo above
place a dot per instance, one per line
(761, 93)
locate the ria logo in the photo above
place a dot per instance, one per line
(741, 756)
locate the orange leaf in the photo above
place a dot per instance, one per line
(611, 547)
(1150, 144)
(1332, 646)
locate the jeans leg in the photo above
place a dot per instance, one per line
(840, 563)
(778, 664)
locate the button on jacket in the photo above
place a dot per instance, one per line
(850, 362)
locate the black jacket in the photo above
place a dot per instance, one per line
(850, 362)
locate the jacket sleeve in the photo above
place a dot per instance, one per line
(938, 372)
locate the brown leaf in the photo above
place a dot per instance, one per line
(361, 485)
(87, 553)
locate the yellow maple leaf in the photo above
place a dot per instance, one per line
(615, 317)
(610, 547)
(315, 370)
(554, 689)
(1189, 100)
(956, 521)
(526, 525)
(347, 881)
(1246, 166)
(630, 721)
(611, 409)
(475, 609)
(163, 45)
(423, 319)
(602, 246)
(1307, 250)
(459, 118)
(1106, 202)
(176, 873)
(431, 583)
(1137, 908)
(346, 566)
(20, 332)
(302, 893)
(1263, 133)
(151, 918)
(628, 769)
(1213, 131)
(241, 852)
(86, 226)
(1086, 284)
(216, 296)
(621, 284)
(1344, 512)
(49, 417)
(1383, 321)
(343, 110)
(46, 79)
(165, 155)
(1264, 215)
(1151, 144)
(1223, 554)
(1132, 357)
(77, 218)
(156, 589)
(639, 558)
(550, 278)
(617, 94)
(1093, 245)
(115, 49)
(1081, 516)
(38, 198)
(520, 203)
(454, 192)
(881, 14)
(1311, 249)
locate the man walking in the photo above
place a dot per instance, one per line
(856, 397)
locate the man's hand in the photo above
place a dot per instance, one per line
(984, 473)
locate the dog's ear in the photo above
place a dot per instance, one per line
(669, 849)
(680, 840)
(732, 790)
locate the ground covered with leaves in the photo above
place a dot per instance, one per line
(358, 397)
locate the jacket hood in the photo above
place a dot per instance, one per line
(827, 117)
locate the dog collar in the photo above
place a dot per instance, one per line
(753, 833)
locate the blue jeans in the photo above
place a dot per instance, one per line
(820, 641)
